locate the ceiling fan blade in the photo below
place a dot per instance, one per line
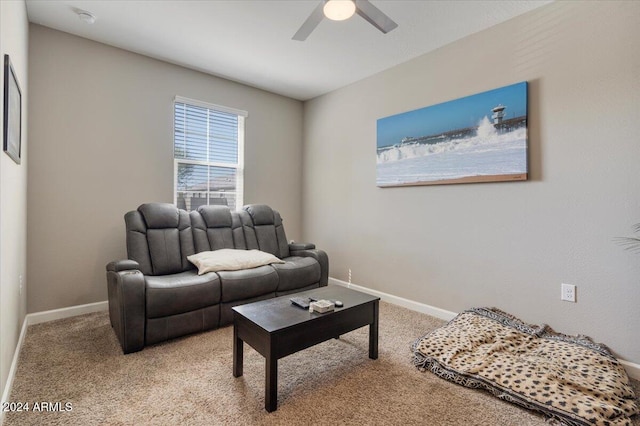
(375, 16)
(310, 24)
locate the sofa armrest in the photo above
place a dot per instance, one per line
(126, 290)
(321, 257)
(301, 246)
(123, 265)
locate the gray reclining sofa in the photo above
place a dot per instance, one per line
(157, 293)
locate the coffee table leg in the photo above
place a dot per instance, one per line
(237, 353)
(271, 383)
(373, 333)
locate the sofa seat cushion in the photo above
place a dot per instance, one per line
(246, 283)
(179, 293)
(297, 272)
(161, 329)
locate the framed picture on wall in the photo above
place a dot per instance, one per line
(478, 138)
(12, 112)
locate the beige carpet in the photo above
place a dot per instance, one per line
(188, 381)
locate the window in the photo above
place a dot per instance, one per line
(208, 152)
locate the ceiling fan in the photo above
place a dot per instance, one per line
(339, 10)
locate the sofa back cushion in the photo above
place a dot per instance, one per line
(217, 227)
(267, 230)
(159, 238)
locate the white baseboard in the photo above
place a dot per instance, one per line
(71, 311)
(400, 301)
(633, 369)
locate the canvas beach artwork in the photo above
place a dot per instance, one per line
(478, 138)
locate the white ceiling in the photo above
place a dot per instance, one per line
(249, 41)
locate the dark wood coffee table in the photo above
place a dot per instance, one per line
(276, 328)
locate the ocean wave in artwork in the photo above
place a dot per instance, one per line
(483, 152)
(486, 138)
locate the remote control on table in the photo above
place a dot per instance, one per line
(301, 302)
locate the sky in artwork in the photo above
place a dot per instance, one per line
(452, 115)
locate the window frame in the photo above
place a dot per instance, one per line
(239, 166)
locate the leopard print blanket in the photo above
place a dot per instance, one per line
(570, 379)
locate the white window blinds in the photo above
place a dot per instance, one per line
(208, 143)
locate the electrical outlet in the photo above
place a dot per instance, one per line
(568, 292)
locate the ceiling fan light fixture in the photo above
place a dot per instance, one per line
(339, 10)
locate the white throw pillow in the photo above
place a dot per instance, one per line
(231, 260)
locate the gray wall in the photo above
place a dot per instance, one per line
(14, 40)
(101, 144)
(508, 245)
